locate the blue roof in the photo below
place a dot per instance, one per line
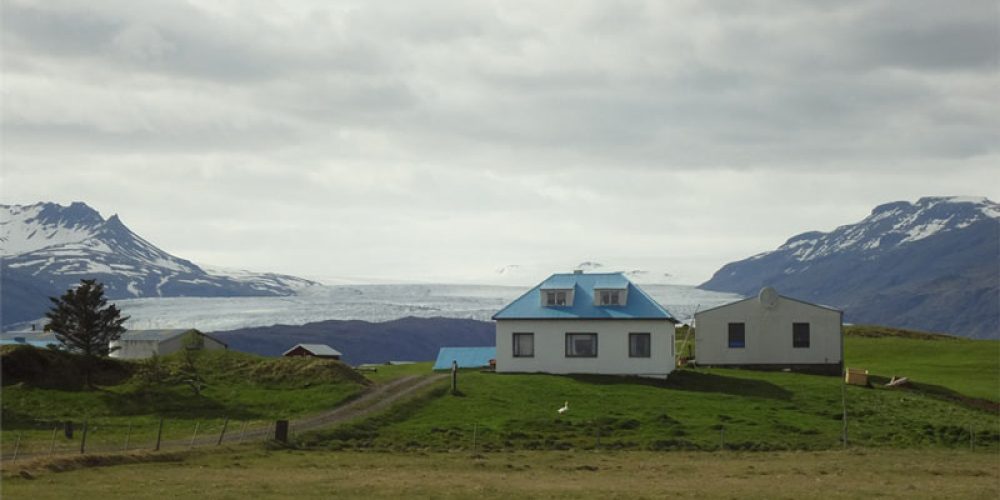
(638, 304)
(467, 357)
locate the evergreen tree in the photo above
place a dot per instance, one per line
(82, 320)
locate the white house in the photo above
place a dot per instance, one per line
(585, 323)
(771, 331)
(139, 344)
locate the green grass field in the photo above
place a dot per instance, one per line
(704, 409)
(968, 367)
(256, 473)
(243, 388)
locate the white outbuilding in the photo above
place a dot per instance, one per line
(771, 331)
(585, 323)
(140, 344)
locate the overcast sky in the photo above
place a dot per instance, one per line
(441, 141)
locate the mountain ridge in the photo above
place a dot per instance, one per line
(47, 248)
(931, 265)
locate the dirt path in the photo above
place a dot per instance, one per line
(375, 399)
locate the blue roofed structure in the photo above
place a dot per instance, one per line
(467, 357)
(580, 301)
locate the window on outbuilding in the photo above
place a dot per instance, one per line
(524, 345)
(800, 335)
(638, 345)
(737, 335)
(581, 345)
(611, 297)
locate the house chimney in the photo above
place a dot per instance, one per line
(578, 271)
(32, 327)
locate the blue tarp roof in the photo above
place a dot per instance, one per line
(638, 305)
(467, 357)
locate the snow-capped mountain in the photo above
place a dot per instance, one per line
(931, 265)
(47, 248)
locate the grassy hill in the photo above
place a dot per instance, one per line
(42, 390)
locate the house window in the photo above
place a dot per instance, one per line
(524, 345)
(638, 345)
(555, 297)
(800, 335)
(581, 345)
(737, 335)
(611, 297)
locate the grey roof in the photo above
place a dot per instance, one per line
(158, 335)
(316, 349)
(754, 297)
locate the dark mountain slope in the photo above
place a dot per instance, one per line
(933, 265)
(409, 339)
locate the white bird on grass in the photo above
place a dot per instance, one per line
(564, 408)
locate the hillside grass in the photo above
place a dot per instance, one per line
(696, 409)
(256, 473)
(241, 387)
(964, 366)
(388, 373)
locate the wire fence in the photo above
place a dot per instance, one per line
(36, 439)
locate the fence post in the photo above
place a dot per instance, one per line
(475, 432)
(52, 446)
(196, 424)
(597, 438)
(972, 438)
(83, 441)
(17, 446)
(281, 431)
(159, 435)
(843, 402)
(243, 430)
(454, 377)
(128, 434)
(722, 437)
(223, 433)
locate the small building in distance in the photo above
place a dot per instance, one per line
(32, 338)
(465, 357)
(140, 344)
(313, 350)
(769, 332)
(599, 323)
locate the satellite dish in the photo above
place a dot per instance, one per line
(768, 297)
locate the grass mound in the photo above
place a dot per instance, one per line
(53, 369)
(878, 331)
(230, 366)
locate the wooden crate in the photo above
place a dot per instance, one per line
(856, 376)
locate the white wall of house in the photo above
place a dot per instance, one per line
(141, 349)
(134, 349)
(768, 334)
(612, 347)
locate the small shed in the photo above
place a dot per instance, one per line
(313, 350)
(140, 344)
(466, 357)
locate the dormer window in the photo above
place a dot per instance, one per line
(557, 298)
(609, 297)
